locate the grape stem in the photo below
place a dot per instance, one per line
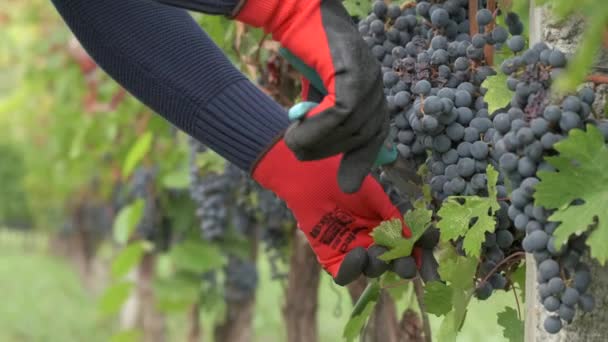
(504, 261)
(516, 301)
(408, 4)
(489, 49)
(426, 325)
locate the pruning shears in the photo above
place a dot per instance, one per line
(400, 172)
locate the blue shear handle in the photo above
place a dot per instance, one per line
(386, 155)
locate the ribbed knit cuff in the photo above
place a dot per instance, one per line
(254, 124)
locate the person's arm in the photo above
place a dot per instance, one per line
(160, 55)
(163, 57)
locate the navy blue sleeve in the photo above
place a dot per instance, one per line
(162, 57)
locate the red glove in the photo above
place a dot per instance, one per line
(334, 222)
(352, 119)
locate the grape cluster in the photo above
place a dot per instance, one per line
(241, 280)
(278, 225)
(143, 187)
(526, 134)
(211, 193)
(432, 72)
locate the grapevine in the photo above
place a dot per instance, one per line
(436, 74)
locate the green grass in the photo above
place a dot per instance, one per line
(44, 301)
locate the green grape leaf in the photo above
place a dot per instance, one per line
(418, 220)
(438, 298)
(390, 233)
(358, 8)
(458, 271)
(513, 327)
(178, 179)
(580, 174)
(114, 297)
(128, 258)
(136, 153)
(452, 323)
(197, 256)
(362, 310)
(126, 221)
(470, 217)
(177, 292)
(498, 95)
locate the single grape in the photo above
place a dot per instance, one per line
(462, 98)
(508, 162)
(570, 296)
(379, 8)
(556, 285)
(552, 324)
(548, 268)
(543, 291)
(455, 131)
(498, 281)
(479, 40)
(516, 43)
(569, 120)
(566, 312)
(375, 267)
(582, 280)
(551, 303)
(586, 303)
(535, 241)
(484, 17)
(402, 99)
(471, 134)
(422, 87)
(479, 181)
(432, 105)
(502, 122)
(440, 17)
(504, 239)
(466, 167)
(450, 157)
(394, 11)
(405, 267)
(557, 59)
(484, 291)
(499, 34)
(465, 115)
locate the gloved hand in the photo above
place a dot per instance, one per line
(336, 224)
(353, 118)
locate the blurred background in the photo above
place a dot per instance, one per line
(115, 226)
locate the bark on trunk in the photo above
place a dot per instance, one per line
(194, 332)
(300, 310)
(237, 325)
(151, 321)
(589, 327)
